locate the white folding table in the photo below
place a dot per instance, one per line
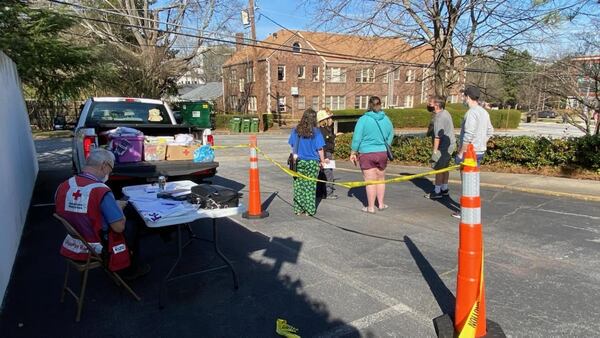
(156, 213)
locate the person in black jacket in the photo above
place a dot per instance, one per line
(326, 127)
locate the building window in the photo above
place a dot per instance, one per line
(315, 73)
(397, 75)
(252, 103)
(233, 78)
(232, 103)
(410, 75)
(300, 102)
(281, 105)
(296, 47)
(453, 98)
(281, 73)
(385, 76)
(301, 74)
(408, 101)
(365, 75)
(242, 85)
(335, 74)
(384, 103)
(335, 102)
(361, 102)
(396, 101)
(250, 74)
(315, 103)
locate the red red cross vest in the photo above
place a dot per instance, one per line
(78, 201)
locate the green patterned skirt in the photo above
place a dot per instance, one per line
(305, 191)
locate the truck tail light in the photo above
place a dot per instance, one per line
(89, 142)
(210, 139)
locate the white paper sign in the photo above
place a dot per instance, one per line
(330, 165)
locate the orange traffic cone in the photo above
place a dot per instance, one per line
(469, 315)
(254, 204)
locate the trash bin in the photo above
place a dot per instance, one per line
(235, 124)
(245, 125)
(254, 125)
(197, 113)
(528, 119)
(267, 121)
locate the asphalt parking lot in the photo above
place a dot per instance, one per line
(340, 273)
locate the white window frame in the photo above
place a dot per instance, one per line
(301, 99)
(296, 47)
(303, 68)
(284, 72)
(409, 101)
(335, 75)
(233, 102)
(384, 101)
(252, 103)
(316, 78)
(340, 102)
(386, 76)
(242, 83)
(250, 75)
(282, 101)
(362, 100)
(315, 105)
(397, 75)
(365, 75)
(233, 78)
(410, 76)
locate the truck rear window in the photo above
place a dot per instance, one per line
(132, 112)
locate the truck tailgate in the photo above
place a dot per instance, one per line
(164, 168)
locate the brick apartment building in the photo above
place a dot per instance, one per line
(285, 83)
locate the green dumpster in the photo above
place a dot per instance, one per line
(246, 125)
(197, 113)
(254, 125)
(235, 124)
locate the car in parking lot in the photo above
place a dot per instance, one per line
(547, 114)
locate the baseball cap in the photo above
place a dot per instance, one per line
(472, 92)
(322, 115)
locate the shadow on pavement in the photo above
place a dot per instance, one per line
(427, 187)
(201, 306)
(444, 297)
(359, 193)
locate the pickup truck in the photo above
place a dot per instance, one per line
(99, 114)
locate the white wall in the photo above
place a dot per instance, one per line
(18, 166)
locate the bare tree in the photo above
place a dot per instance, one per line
(152, 46)
(455, 30)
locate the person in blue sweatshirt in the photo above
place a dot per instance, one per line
(372, 132)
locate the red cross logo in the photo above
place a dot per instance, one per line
(186, 152)
(77, 194)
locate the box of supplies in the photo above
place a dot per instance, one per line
(181, 152)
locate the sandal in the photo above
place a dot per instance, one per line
(385, 206)
(366, 209)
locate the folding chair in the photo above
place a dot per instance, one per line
(93, 261)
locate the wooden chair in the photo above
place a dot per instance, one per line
(94, 261)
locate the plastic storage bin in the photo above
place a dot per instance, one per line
(254, 125)
(127, 148)
(245, 125)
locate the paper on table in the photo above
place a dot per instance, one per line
(330, 165)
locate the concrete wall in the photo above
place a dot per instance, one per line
(18, 166)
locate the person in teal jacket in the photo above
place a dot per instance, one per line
(373, 130)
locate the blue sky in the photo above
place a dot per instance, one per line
(289, 13)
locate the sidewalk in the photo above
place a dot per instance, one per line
(536, 184)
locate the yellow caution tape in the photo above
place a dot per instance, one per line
(284, 329)
(355, 184)
(349, 185)
(470, 327)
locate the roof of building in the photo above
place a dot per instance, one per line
(382, 48)
(208, 91)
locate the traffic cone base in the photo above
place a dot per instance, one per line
(263, 214)
(444, 328)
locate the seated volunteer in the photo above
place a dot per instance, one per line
(90, 207)
(373, 130)
(444, 144)
(307, 144)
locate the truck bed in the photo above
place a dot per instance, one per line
(164, 168)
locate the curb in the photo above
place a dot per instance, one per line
(590, 198)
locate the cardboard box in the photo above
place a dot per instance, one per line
(179, 153)
(155, 152)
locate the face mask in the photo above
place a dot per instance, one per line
(104, 179)
(430, 109)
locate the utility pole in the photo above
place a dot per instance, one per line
(261, 126)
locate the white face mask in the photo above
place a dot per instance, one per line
(104, 179)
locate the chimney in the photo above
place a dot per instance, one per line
(239, 39)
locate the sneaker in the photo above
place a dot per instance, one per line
(456, 215)
(137, 272)
(434, 195)
(332, 197)
(446, 192)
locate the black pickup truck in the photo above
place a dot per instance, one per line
(153, 118)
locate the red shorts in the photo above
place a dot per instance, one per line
(373, 160)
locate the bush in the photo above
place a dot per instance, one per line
(525, 151)
(420, 117)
